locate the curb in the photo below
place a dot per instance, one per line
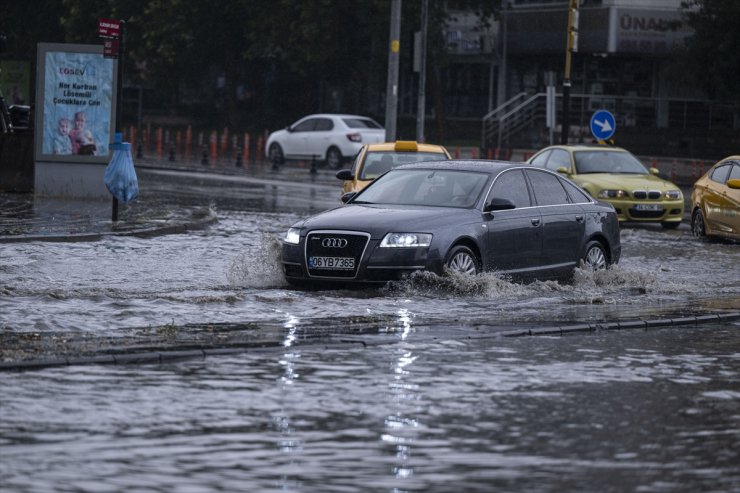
(623, 325)
(343, 341)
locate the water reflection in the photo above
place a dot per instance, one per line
(401, 426)
(289, 443)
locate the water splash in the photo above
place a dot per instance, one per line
(259, 266)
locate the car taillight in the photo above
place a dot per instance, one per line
(354, 137)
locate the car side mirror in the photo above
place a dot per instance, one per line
(734, 183)
(345, 174)
(347, 197)
(497, 204)
(654, 171)
(563, 170)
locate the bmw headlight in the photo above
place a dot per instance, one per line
(406, 240)
(612, 194)
(673, 194)
(293, 236)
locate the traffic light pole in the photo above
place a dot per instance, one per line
(572, 47)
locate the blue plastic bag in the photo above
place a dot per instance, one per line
(120, 175)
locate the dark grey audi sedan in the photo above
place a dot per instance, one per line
(465, 216)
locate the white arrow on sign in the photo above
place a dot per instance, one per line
(605, 126)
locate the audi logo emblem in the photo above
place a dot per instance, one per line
(333, 243)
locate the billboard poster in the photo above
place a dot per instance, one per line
(75, 103)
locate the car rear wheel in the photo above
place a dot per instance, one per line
(698, 229)
(334, 158)
(462, 260)
(595, 257)
(276, 154)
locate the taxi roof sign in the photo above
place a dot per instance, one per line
(406, 145)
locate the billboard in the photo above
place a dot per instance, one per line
(75, 103)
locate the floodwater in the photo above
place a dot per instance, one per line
(427, 398)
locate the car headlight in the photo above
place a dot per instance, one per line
(293, 236)
(401, 240)
(673, 194)
(612, 194)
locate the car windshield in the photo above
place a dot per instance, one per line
(435, 187)
(378, 162)
(361, 123)
(607, 162)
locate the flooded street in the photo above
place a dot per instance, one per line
(410, 387)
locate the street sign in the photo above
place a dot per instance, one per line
(603, 125)
(109, 28)
(110, 48)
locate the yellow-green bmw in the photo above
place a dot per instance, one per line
(616, 176)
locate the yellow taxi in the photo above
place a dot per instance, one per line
(616, 176)
(715, 201)
(375, 159)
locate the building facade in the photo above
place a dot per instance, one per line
(621, 63)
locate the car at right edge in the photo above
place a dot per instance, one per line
(616, 176)
(715, 201)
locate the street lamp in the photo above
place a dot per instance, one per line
(572, 47)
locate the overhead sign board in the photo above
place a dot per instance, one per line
(109, 28)
(603, 125)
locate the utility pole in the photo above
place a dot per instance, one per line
(501, 89)
(421, 106)
(572, 47)
(391, 97)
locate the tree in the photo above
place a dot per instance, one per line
(248, 63)
(710, 56)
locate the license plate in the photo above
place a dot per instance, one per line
(339, 263)
(648, 207)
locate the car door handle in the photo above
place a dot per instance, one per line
(535, 221)
(579, 218)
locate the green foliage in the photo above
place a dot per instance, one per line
(711, 56)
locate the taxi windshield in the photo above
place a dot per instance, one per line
(378, 162)
(607, 162)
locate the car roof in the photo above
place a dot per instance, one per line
(587, 147)
(480, 165)
(336, 115)
(391, 146)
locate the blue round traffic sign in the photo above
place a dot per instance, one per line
(603, 125)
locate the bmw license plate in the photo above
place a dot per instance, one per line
(339, 263)
(648, 207)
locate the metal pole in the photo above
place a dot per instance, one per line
(501, 93)
(571, 47)
(119, 98)
(421, 110)
(391, 97)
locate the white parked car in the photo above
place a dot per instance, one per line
(331, 138)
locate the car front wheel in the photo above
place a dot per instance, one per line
(462, 260)
(595, 257)
(276, 154)
(334, 158)
(698, 229)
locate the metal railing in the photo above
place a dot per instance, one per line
(504, 126)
